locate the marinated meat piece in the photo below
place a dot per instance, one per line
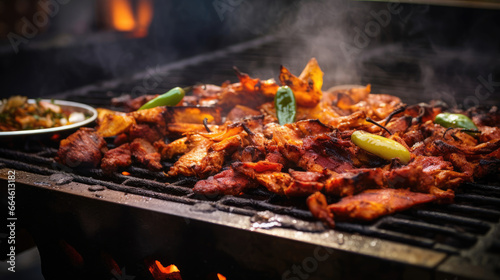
(114, 124)
(116, 158)
(206, 90)
(355, 181)
(319, 208)
(144, 153)
(153, 116)
(304, 183)
(121, 139)
(484, 116)
(144, 131)
(372, 204)
(200, 161)
(227, 182)
(193, 114)
(83, 148)
(168, 151)
(266, 173)
(489, 133)
(240, 112)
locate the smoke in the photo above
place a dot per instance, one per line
(415, 51)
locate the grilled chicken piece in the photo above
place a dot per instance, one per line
(83, 148)
(304, 183)
(227, 182)
(366, 206)
(372, 204)
(268, 174)
(181, 129)
(116, 158)
(176, 147)
(319, 208)
(193, 114)
(144, 153)
(201, 161)
(113, 124)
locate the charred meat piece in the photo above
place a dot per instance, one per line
(145, 131)
(200, 161)
(144, 153)
(227, 182)
(116, 158)
(267, 174)
(83, 148)
(319, 208)
(372, 204)
(168, 151)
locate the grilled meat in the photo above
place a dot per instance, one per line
(369, 204)
(232, 148)
(146, 154)
(227, 182)
(83, 148)
(116, 158)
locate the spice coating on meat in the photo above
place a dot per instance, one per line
(116, 158)
(145, 153)
(372, 204)
(227, 182)
(83, 148)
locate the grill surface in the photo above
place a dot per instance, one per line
(466, 233)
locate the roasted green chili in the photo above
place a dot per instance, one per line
(286, 107)
(454, 120)
(170, 98)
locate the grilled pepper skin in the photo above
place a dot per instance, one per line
(455, 120)
(170, 98)
(380, 146)
(286, 107)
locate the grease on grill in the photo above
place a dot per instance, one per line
(96, 188)
(203, 207)
(61, 178)
(267, 219)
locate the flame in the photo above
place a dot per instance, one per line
(160, 272)
(221, 277)
(122, 16)
(144, 17)
(127, 19)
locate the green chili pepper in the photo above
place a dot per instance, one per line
(380, 146)
(286, 108)
(170, 98)
(455, 121)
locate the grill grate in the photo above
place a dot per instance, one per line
(452, 229)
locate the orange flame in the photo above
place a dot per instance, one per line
(144, 17)
(122, 17)
(160, 272)
(221, 277)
